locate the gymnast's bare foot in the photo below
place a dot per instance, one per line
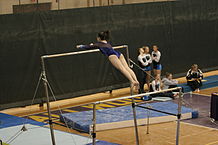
(135, 85)
(175, 95)
(197, 90)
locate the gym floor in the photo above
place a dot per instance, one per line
(200, 131)
(191, 132)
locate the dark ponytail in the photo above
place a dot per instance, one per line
(104, 35)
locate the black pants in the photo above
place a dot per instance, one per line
(165, 94)
(142, 80)
(194, 84)
(174, 86)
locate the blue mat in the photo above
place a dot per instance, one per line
(10, 120)
(211, 81)
(82, 120)
(35, 135)
(14, 121)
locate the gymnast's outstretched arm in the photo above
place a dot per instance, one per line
(88, 47)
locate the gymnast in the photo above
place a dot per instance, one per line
(157, 67)
(115, 57)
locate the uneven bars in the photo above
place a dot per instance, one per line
(140, 68)
(138, 95)
(77, 52)
(149, 108)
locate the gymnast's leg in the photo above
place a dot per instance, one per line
(158, 72)
(124, 63)
(148, 78)
(117, 64)
(155, 72)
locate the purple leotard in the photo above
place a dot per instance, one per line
(105, 48)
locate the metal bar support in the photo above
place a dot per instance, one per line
(94, 125)
(47, 101)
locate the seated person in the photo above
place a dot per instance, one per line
(169, 82)
(156, 85)
(194, 77)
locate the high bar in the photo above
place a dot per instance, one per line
(77, 52)
(138, 95)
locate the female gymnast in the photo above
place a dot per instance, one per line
(115, 57)
(145, 61)
(157, 67)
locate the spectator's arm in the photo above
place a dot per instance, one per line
(140, 59)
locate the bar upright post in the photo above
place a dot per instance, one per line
(178, 116)
(45, 81)
(94, 125)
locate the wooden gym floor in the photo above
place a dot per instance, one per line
(160, 134)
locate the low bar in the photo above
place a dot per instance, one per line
(149, 108)
(138, 95)
(130, 60)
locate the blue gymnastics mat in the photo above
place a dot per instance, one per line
(37, 135)
(10, 120)
(10, 124)
(120, 117)
(208, 82)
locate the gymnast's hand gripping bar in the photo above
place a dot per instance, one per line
(138, 95)
(77, 52)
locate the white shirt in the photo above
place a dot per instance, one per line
(156, 85)
(145, 59)
(156, 56)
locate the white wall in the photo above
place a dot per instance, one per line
(6, 6)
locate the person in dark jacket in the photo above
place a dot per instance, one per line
(194, 77)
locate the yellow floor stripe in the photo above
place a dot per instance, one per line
(125, 100)
(53, 115)
(38, 118)
(106, 105)
(91, 106)
(134, 100)
(99, 106)
(68, 110)
(120, 104)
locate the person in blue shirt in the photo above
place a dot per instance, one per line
(115, 57)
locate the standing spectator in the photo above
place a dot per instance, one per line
(157, 67)
(194, 77)
(145, 61)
